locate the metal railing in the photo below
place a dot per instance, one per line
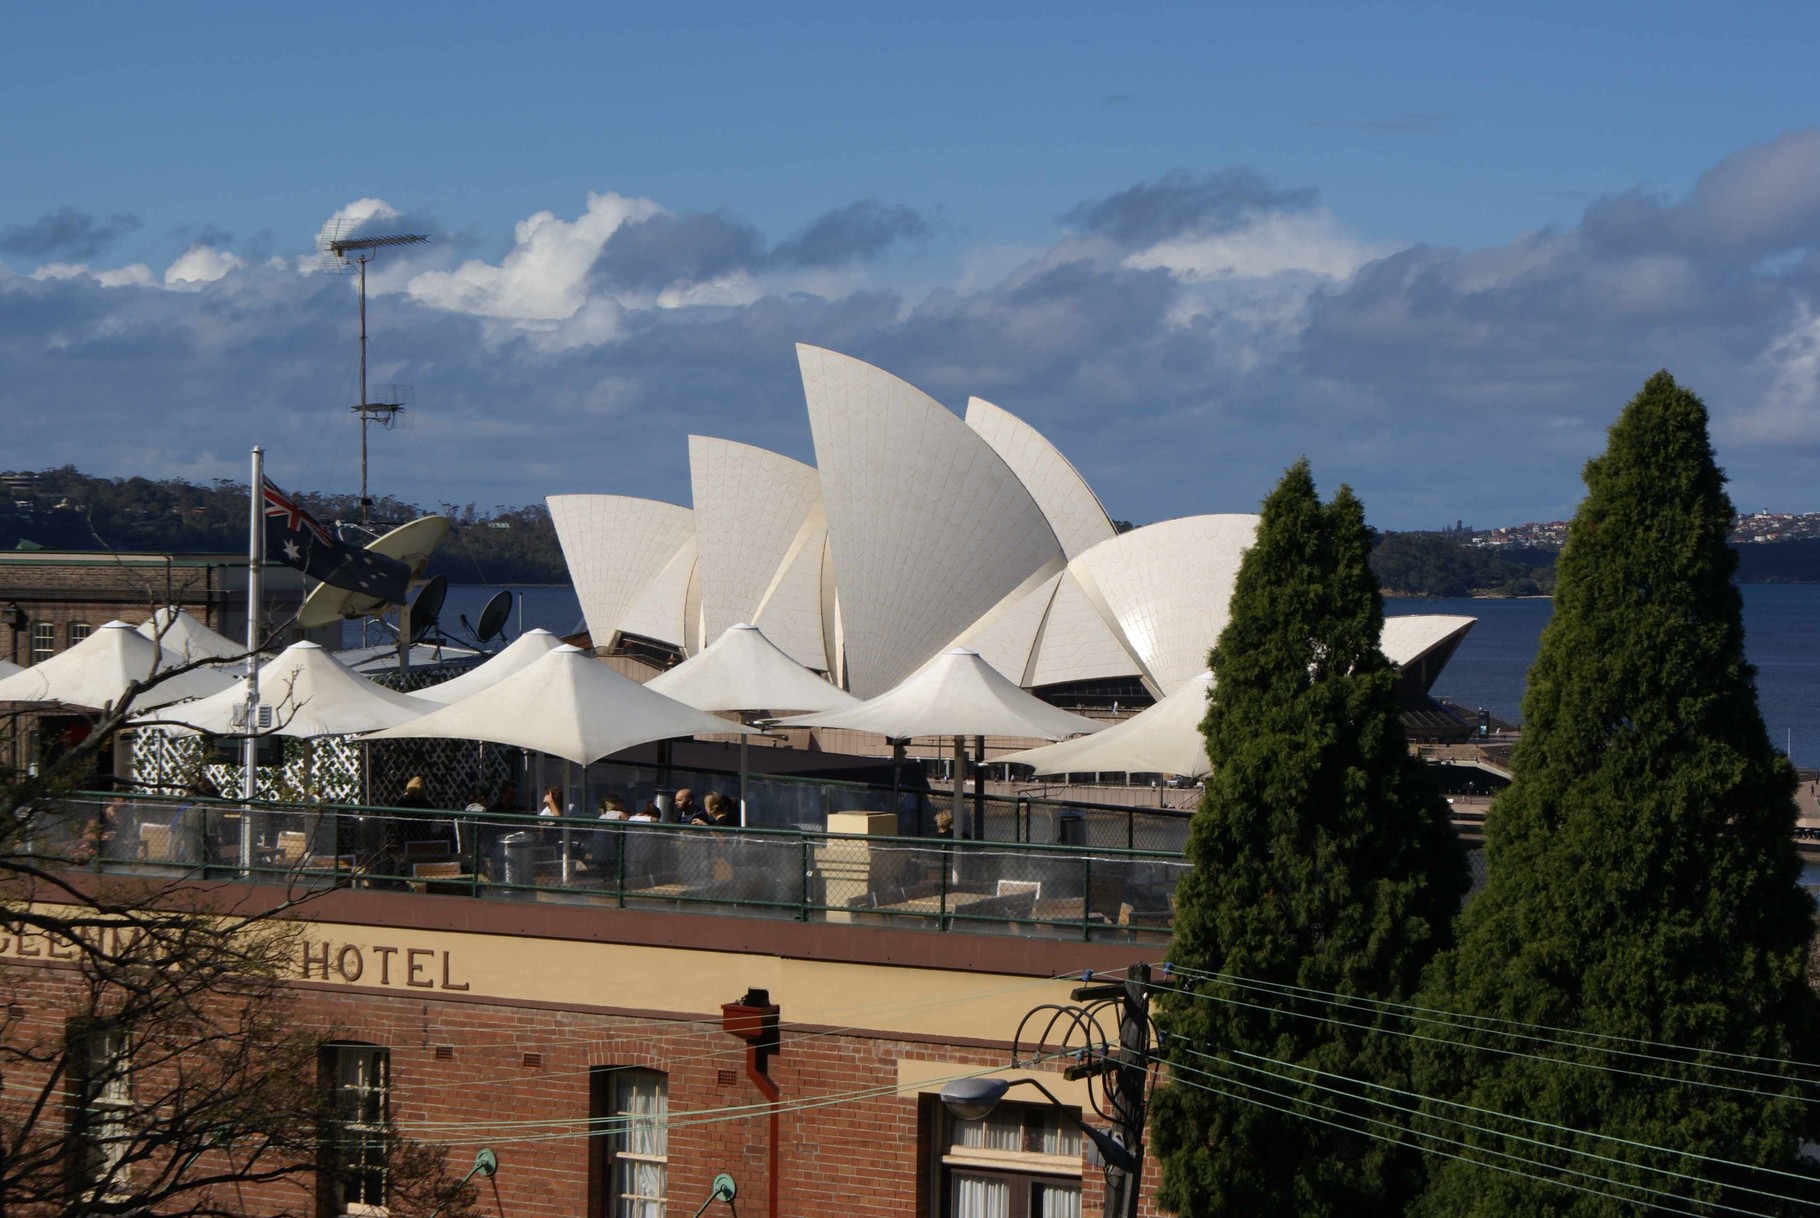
(990, 887)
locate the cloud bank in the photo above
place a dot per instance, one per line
(1182, 339)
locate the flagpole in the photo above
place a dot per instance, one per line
(255, 594)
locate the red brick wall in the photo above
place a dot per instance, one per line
(856, 1157)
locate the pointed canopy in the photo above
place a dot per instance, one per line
(186, 637)
(743, 670)
(311, 693)
(524, 651)
(95, 673)
(1165, 739)
(955, 694)
(567, 704)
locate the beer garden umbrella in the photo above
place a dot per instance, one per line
(746, 672)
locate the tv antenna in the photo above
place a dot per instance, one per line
(339, 255)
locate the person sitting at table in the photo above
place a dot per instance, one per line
(552, 802)
(719, 811)
(612, 807)
(684, 807)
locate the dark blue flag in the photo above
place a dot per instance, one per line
(294, 538)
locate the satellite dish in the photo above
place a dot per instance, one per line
(410, 543)
(493, 617)
(427, 605)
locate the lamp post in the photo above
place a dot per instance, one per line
(1123, 1069)
(973, 1099)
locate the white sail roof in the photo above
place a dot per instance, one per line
(567, 704)
(522, 652)
(929, 527)
(1076, 643)
(750, 506)
(311, 694)
(1164, 739)
(1411, 637)
(790, 611)
(1167, 590)
(96, 672)
(742, 670)
(184, 636)
(1069, 504)
(643, 536)
(955, 694)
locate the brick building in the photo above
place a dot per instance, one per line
(525, 1025)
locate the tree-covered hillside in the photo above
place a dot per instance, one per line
(64, 509)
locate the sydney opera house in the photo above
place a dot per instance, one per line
(916, 531)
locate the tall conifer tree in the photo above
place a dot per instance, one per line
(1323, 858)
(1643, 883)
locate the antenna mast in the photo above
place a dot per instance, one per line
(385, 412)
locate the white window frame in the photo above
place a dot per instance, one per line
(77, 631)
(1028, 1148)
(361, 1081)
(44, 641)
(105, 1100)
(641, 1100)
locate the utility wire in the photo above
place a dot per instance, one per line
(1444, 1017)
(1549, 1180)
(1554, 1146)
(1458, 1044)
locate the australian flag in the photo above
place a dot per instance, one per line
(294, 538)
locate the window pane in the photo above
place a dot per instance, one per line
(78, 632)
(981, 1197)
(1057, 1201)
(44, 641)
(361, 1083)
(641, 1102)
(1060, 1137)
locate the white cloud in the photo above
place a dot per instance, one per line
(1269, 244)
(1788, 412)
(544, 277)
(201, 264)
(136, 274)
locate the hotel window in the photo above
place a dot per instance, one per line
(79, 631)
(1021, 1161)
(44, 641)
(358, 1133)
(101, 1074)
(634, 1108)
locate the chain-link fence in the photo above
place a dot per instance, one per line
(941, 884)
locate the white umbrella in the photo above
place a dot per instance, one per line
(184, 636)
(956, 694)
(95, 673)
(310, 694)
(744, 671)
(525, 650)
(567, 704)
(1164, 739)
(8, 668)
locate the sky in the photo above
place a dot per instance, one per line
(1434, 250)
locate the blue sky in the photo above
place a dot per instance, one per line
(1433, 249)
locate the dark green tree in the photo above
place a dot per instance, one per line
(1323, 858)
(1643, 885)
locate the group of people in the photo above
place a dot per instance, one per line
(715, 809)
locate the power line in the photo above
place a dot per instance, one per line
(1516, 1136)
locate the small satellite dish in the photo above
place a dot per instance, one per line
(427, 605)
(493, 617)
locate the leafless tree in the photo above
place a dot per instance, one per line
(152, 1057)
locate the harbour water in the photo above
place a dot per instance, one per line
(1781, 637)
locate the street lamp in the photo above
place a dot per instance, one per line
(973, 1099)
